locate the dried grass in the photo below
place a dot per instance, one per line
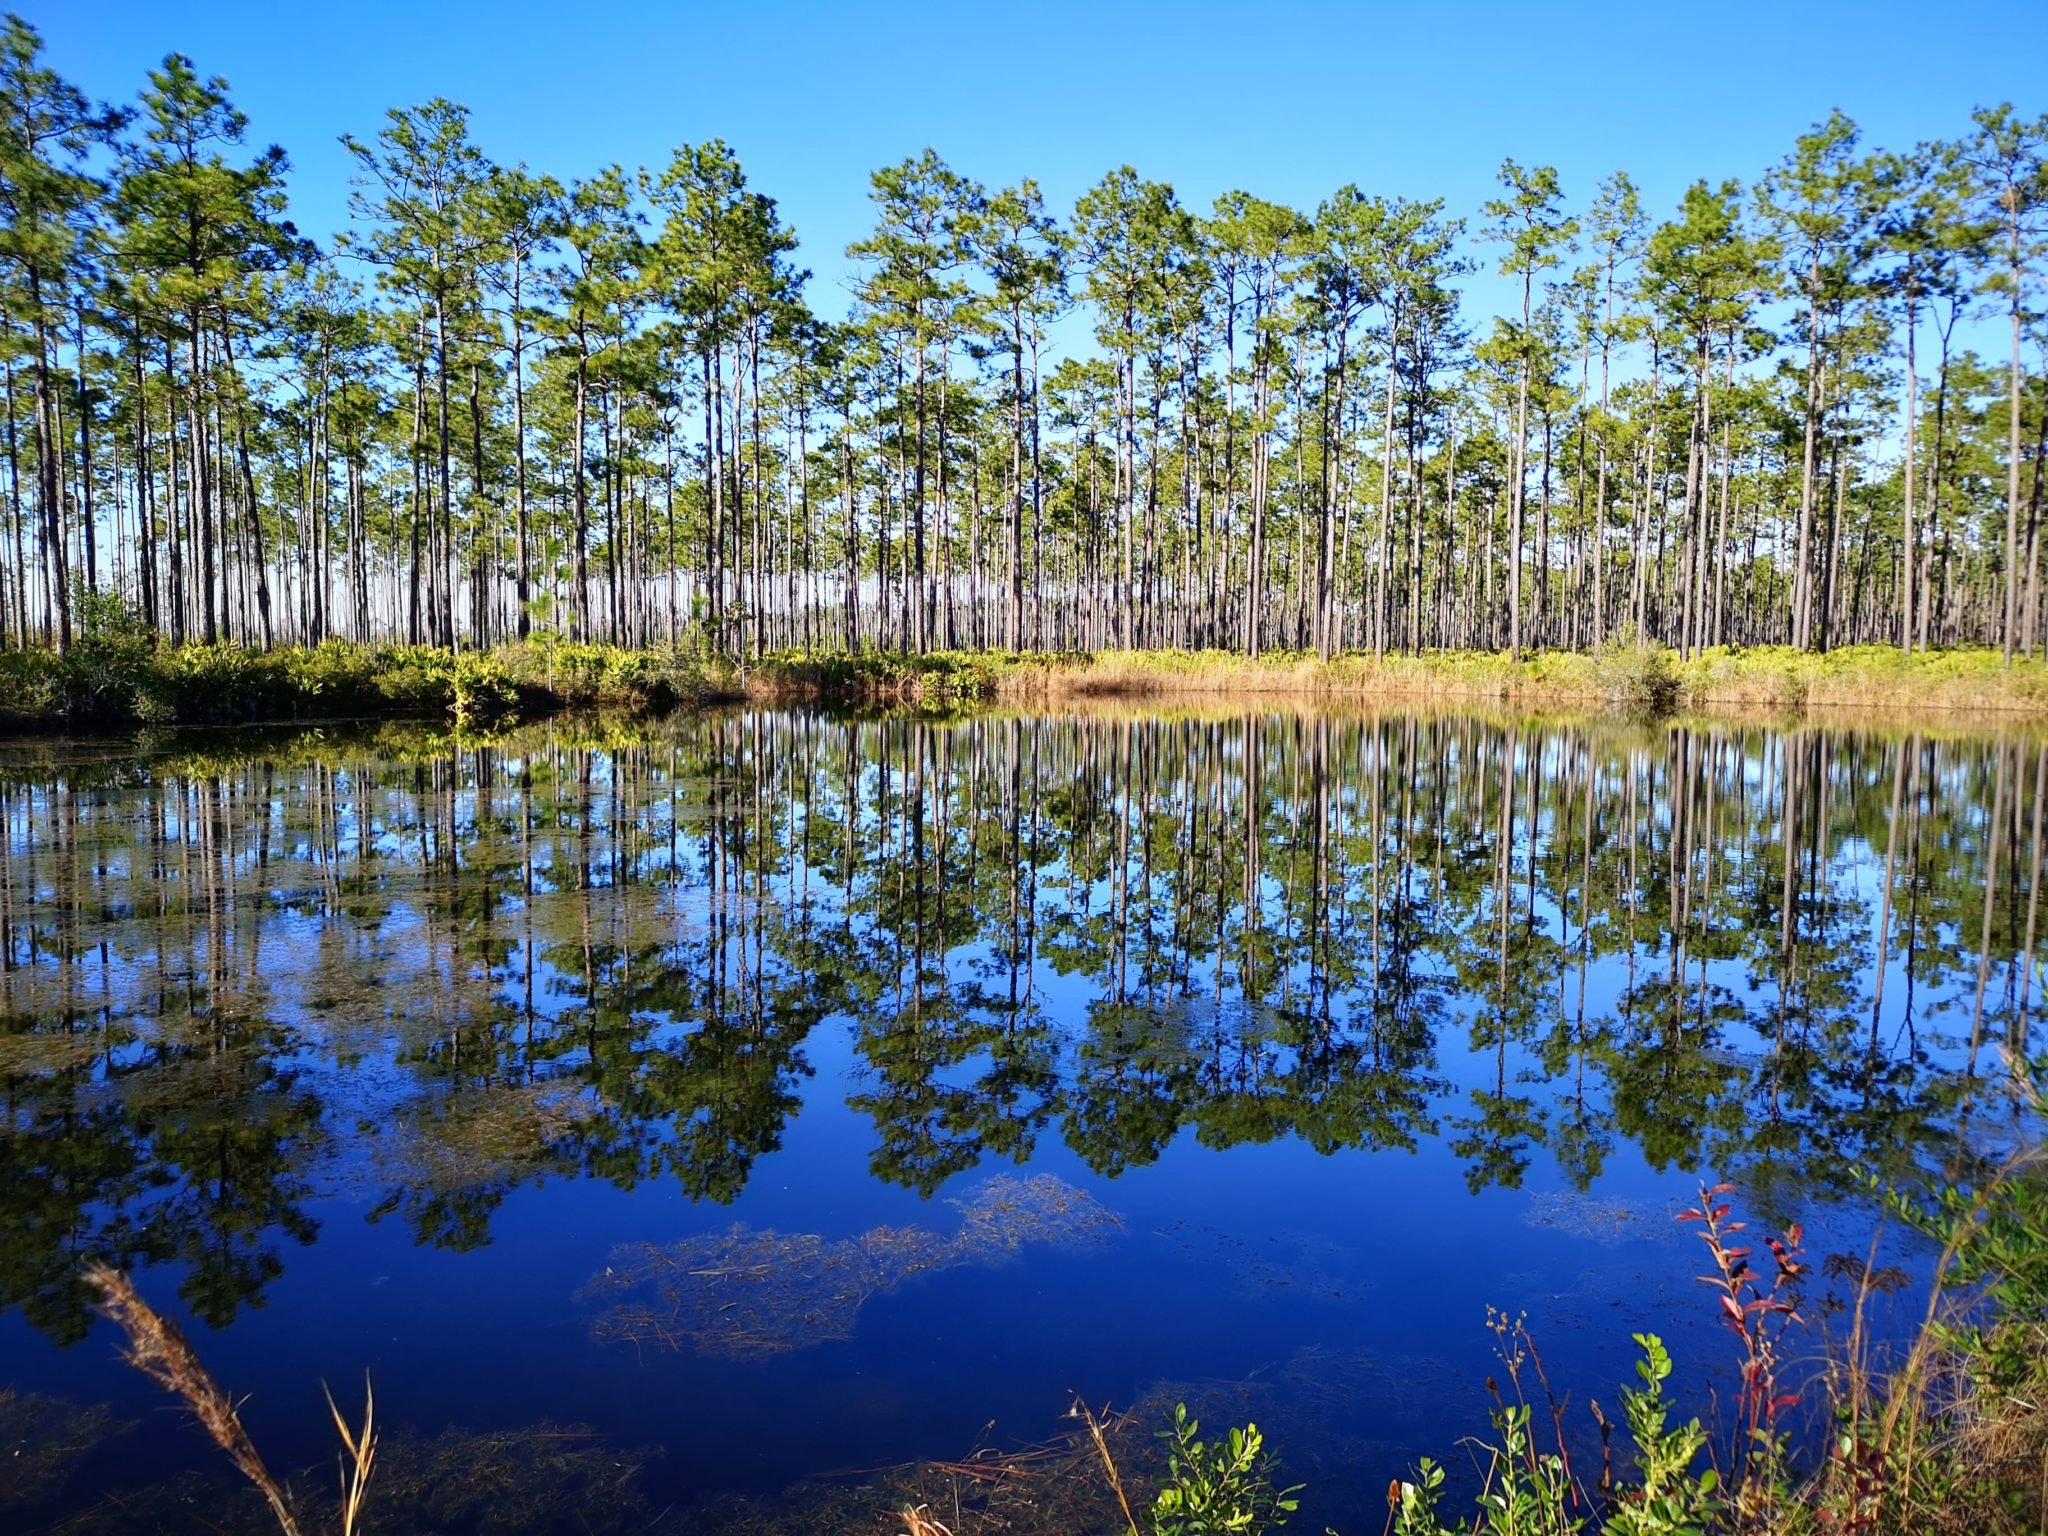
(158, 1349)
(359, 1456)
(1771, 678)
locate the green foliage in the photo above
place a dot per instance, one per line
(934, 679)
(116, 674)
(1995, 1231)
(1214, 1489)
(1526, 1489)
(1670, 1498)
(1636, 676)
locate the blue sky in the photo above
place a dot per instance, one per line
(1286, 100)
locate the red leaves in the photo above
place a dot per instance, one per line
(1755, 1313)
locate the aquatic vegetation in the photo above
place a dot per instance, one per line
(42, 1441)
(749, 1292)
(1670, 1478)
(759, 1292)
(529, 1481)
(1266, 1260)
(1603, 1219)
(458, 1140)
(543, 1479)
(256, 995)
(505, 1483)
(1085, 1478)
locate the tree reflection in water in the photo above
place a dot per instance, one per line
(235, 977)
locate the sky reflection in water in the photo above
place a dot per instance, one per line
(384, 1051)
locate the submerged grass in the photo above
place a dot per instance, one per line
(1946, 1437)
(42, 1441)
(749, 1291)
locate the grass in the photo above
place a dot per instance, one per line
(158, 1349)
(1619, 677)
(118, 676)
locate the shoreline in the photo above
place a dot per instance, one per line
(103, 689)
(1625, 682)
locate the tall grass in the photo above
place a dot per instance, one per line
(117, 675)
(1619, 676)
(157, 1348)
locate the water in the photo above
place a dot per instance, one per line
(654, 1079)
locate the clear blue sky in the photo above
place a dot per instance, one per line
(1286, 100)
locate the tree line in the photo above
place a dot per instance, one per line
(501, 405)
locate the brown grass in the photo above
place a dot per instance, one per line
(157, 1348)
(1640, 678)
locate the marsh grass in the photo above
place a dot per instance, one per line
(1950, 1435)
(118, 677)
(1619, 676)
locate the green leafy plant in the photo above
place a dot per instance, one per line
(1226, 1487)
(1669, 1498)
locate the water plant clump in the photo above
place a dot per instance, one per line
(1094, 1474)
(43, 1440)
(455, 1141)
(749, 1291)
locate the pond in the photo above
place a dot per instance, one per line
(667, 1114)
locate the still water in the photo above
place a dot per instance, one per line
(771, 1094)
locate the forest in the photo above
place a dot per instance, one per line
(1807, 409)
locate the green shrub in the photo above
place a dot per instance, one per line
(1225, 1489)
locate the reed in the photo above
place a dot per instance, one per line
(158, 1348)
